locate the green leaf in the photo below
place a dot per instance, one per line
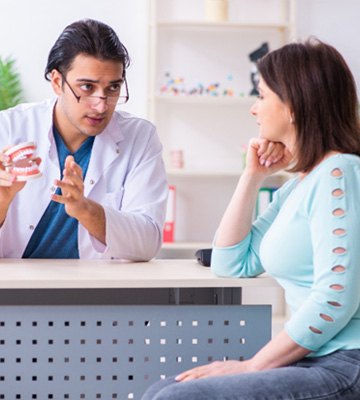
(11, 92)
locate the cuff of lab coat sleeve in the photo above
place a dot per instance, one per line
(97, 245)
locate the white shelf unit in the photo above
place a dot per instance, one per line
(182, 250)
(199, 99)
(220, 25)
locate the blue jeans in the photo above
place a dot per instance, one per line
(332, 377)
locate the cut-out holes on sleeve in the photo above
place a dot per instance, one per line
(339, 232)
(315, 330)
(338, 268)
(339, 250)
(336, 287)
(337, 173)
(338, 212)
(334, 303)
(337, 193)
(326, 317)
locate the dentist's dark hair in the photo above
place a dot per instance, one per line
(88, 37)
(313, 79)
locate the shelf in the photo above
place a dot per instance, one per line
(186, 245)
(207, 100)
(181, 250)
(173, 173)
(202, 174)
(173, 24)
(200, 79)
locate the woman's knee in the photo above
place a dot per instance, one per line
(157, 387)
(175, 391)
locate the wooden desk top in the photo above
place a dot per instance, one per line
(63, 274)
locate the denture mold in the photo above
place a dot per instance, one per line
(22, 162)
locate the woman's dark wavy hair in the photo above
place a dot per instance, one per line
(89, 37)
(314, 80)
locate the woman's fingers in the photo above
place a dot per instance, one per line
(264, 153)
(271, 152)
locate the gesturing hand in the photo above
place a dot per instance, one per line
(72, 188)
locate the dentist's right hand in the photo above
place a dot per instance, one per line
(9, 187)
(8, 184)
(8, 190)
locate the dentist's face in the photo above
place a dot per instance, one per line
(88, 76)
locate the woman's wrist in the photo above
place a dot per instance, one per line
(254, 179)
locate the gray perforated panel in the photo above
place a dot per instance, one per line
(116, 352)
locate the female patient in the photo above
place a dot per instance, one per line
(308, 238)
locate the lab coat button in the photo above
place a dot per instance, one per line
(118, 151)
(92, 181)
(52, 189)
(31, 227)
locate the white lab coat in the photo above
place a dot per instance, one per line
(126, 176)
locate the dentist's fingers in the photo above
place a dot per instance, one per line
(72, 184)
(3, 157)
(6, 179)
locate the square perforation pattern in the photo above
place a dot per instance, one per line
(116, 352)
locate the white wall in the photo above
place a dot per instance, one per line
(29, 28)
(335, 22)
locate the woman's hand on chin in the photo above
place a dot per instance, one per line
(266, 158)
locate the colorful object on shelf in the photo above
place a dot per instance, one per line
(21, 161)
(169, 226)
(264, 198)
(177, 86)
(173, 85)
(228, 92)
(212, 89)
(177, 159)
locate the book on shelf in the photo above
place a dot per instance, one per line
(169, 226)
(264, 198)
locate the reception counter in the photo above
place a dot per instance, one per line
(95, 329)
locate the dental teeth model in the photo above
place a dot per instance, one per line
(22, 162)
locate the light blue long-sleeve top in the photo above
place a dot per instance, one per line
(309, 241)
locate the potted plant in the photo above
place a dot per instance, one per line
(10, 85)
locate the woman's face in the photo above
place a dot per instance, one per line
(274, 117)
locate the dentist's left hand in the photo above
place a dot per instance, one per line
(89, 213)
(72, 188)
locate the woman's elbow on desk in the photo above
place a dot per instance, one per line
(228, 271)
(225, 267)
(230, 264)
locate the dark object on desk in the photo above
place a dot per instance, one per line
(203, 257)
(254, 76)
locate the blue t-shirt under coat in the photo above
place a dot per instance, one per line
(56, 235)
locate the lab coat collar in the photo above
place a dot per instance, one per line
(105, 151)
